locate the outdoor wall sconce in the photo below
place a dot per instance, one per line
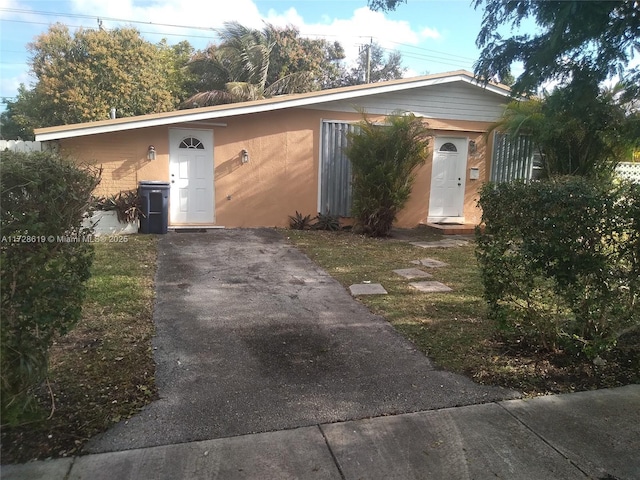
(473, 148)
(244, 156)
(151, 153)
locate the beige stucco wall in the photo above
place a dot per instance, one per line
(282, 174)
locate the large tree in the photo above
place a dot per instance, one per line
(21, 116)
(81, 76)
(577, 42)
(381, 67)
(250, 64)
(292, 53)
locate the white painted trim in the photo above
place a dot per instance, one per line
(245, 108)
(446, 220)
(197, 226)
(210, 124)
(320, 153)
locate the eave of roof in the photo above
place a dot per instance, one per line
(270, 104)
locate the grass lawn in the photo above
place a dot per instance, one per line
(103, 370)
(451, 328)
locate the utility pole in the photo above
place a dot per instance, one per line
(368, 74)
(367, 50)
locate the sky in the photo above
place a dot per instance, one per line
(433, 36)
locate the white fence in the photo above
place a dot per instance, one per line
(20, 146)
(629, 170)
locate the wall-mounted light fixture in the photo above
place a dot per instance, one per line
(151, 153)
(473, 148)
(244, 156)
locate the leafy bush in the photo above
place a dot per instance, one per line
(299, 222)
(44, 266)
(327, 221)
(580, 131)
(560, 261)
(383, 159)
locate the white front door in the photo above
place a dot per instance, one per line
(191, 199)
(446, 201)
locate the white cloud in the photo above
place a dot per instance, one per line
(160, 18)
(351, 32)
(363, 26)
(10, 84)
(156, 20)
(431, 33)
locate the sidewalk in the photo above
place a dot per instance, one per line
(582, 435)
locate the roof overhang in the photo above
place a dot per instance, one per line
(271, 104)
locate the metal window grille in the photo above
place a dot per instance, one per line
(335, 169)
(513, 158)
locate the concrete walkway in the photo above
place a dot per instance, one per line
(251, 336)
(593, 435)
(268, 368)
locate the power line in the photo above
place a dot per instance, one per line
(430, 55)
(110, 19)
(93, 28)
(194, 27)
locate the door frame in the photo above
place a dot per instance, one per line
(204, 135)
(461, 170)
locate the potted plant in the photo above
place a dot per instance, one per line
(117, 214)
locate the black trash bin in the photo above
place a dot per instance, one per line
(154, 199)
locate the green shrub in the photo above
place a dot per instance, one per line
(560, 261)
(326, 221)
(383, 159)
(299, 221)
(44, 264)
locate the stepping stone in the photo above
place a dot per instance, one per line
(445, 243)
(411, 273)
(430, 262)
(430, 287)
(367, 289)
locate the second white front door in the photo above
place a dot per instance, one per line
(446, 200)
(191, 198)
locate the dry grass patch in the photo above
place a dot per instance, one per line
(103, 370)
(451, 328)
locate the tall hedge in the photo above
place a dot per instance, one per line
(560, 261)
(45, 260)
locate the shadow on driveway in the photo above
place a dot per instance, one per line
(252, 337)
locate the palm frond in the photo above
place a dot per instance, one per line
(207, 99)
(244, 91)
(293, 83)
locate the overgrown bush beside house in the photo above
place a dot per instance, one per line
(383, 159)
(43, 268)
(560, 262)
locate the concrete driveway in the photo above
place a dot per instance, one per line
(253, 337)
